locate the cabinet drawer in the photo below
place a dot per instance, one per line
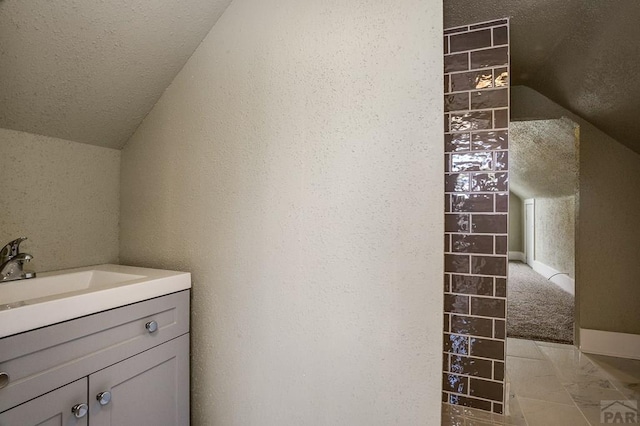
(41, 360)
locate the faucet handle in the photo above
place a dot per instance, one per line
(11, 249)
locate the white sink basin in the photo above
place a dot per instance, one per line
(58, 296)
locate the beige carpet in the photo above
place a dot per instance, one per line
(537, 308)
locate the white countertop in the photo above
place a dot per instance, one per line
(53, 297)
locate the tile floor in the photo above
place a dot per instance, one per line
(553, 384)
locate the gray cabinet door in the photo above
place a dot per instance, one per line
(151, 388)
(50, 409)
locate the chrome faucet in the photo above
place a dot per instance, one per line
(12, 262)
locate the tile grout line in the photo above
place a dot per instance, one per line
(555, 370)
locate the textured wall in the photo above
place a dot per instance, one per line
(607, 264)
(544, 158)
(516, 223)
(63, 196)
(89, 71)
(294, 167)
(555, 233)
(476, 205)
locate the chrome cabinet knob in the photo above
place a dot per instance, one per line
(151, 326)
(4, 379)
(80, 410)
(104, 397)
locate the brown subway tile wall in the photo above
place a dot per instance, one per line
(476, 67)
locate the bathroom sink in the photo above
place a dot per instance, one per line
(58, 296)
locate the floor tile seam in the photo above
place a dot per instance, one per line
(619, 386)
(526, 422)
(573, 404)
(597, 379)
(523, 357)
(585, 417)
(564, 405)
(579, 409)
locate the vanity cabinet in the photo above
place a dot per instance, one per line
(125, 366)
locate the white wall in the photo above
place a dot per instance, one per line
(294, 166)
(555, 233)
(607, 266)
(516, 224)
(63, 196)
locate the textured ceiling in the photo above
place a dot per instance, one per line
(90, 70)
(543, 160)
(582, 54)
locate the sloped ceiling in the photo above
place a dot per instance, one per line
(582, 54)
(90, 70)
(543, 160)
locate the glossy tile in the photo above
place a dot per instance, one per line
(456, 344)
(502, 160)
(486, 348)
(490, 57)
(502, 202)
(472, 203)
(501, 244)
(469, 402)
(486, 389)
(463, 324)
(475, 120)
(500, 35)
(456, 223)
(489, 265)
(456, 30)
(470, 366)
(500, 77)
(543, 413)
(501, 118)
(473, 176)
(457, 142)
(488, 24)
(535, 378)
(456, 102)
(501, 287)
(457, 182)
(456, 304)
(490, 140)
(472, 284)
(472, 243)
(498, 370)
(489, 99)
(471, 80)
(457, 62)
(455, 383)
(488, 307)
(470, 40)
(489, 223)
(472, 161)
(490, 182)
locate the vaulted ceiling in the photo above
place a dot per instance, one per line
(544, 160)
(582, 54)
(90, 70)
